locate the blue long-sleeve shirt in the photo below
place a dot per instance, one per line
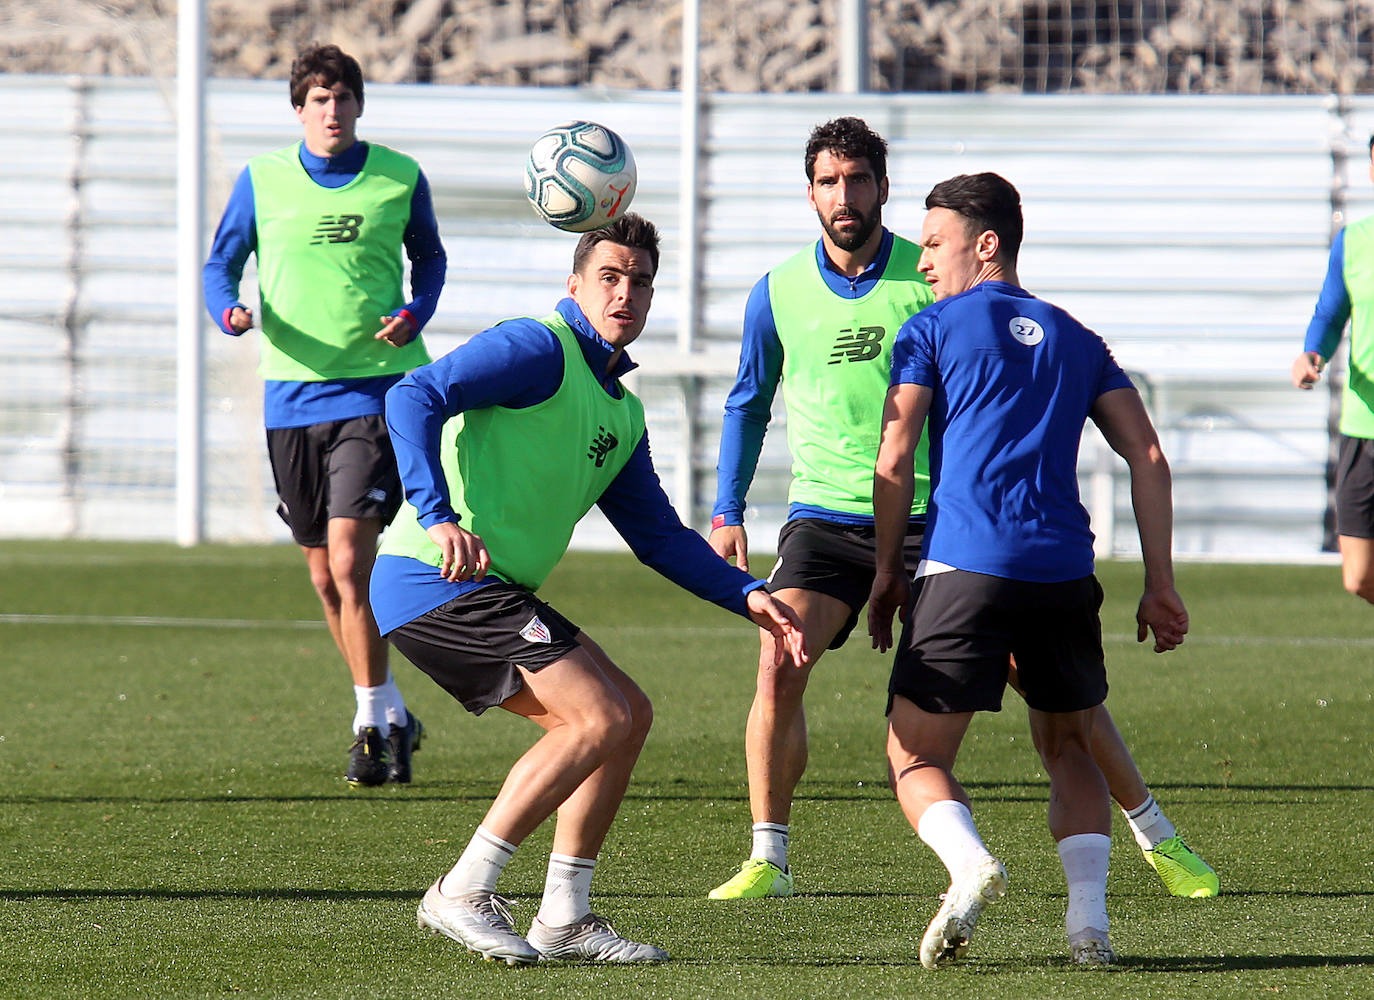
(517, 364)
(300, 404)
(749, 406)
(1333, 305)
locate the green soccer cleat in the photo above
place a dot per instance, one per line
(756, 878)
(1182, 871)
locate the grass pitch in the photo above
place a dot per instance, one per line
(173, 822)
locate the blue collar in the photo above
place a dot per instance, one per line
(595, 351)
(873, 272)
(349, 162)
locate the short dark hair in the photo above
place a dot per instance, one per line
(323, 66)
(849, 139)
(988, 202)
(630, 230)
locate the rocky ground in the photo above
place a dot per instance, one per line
(1152, 46)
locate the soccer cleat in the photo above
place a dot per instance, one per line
(366, 765)
(401, 742)
(1091, 947)
(755, 879)
(591, 939)
(1182, 871)
(480, 921)
(947, 937)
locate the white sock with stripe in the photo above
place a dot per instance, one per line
(567, 890)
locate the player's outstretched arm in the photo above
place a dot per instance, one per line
(731, 541)
(767, 612)
(1307, 369)
(465, 554)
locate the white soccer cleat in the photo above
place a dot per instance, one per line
(480, 920)
(1091, 947)
(947, 937)
(591, 939)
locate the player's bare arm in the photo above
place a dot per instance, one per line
(465, 555)
(730, 540)
(894, 483)
(1307, 369)
(1121, 416)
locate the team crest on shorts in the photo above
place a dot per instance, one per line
(536, 631)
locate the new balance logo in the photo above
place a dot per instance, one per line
(863, 344)
(601, 446)
(337, 229)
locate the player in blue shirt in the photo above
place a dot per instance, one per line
(1006, 382)
(329, 251)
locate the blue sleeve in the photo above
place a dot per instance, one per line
(428, 262)
(1333, 305)
(639, 510)
(235, 239)
(913, 356)
(749, 406)
(517, 363)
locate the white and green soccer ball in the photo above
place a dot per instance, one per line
(580, 176)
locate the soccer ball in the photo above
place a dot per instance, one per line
(580, 176)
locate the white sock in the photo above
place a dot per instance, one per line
(567, 890)
(1148, 824)
(396, 714)
(371, 710)
(480, 866)
(770, 843)
(1084, 857)
(947, 828)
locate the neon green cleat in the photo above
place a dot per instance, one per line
(1182, 871)
(756, 878)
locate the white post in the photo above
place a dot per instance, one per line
(689, 183)
(853, 54)
(190, 485)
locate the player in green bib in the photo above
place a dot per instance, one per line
(1348, 295)
(821, 325)
(328, 218)
(503, 445)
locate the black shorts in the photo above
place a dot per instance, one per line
(1355, 488)
(343, 468)
(836, 560)
(472, 645)
(965, 627)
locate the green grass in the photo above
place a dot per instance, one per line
(173, 822)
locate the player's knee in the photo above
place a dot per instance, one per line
(1361, 584)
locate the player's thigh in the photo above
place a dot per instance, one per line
(827, 560)
(632, 693)
(363, 481)
(1357, 563)
(572, 691)
(822, 618)
(915, 736)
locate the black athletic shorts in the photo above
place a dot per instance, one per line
(472, 645)
(1355, 488)
(835, 560)
(965, 627)
(343, 468)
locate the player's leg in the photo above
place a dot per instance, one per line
(1357, 565)
(1355, 514)
(823, 572)
(1182, 871)
(950, 662)
(566, 927)
(364, 492)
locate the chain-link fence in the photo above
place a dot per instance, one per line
(962, 46)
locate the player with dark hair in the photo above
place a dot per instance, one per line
(1346, 296)
(328, 218)
(503, 445)
(1004, 382)
(821, 324)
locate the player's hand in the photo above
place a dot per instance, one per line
(767, 612)
(891, 595)
(465, 555)
(240, 319)
(1307, 369)
(396, 331)
(1162, 612)
(730, 540)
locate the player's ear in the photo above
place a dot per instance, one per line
(987, 245)
(574, 282)
(883, 188)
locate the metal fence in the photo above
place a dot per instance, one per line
(1191, 232)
